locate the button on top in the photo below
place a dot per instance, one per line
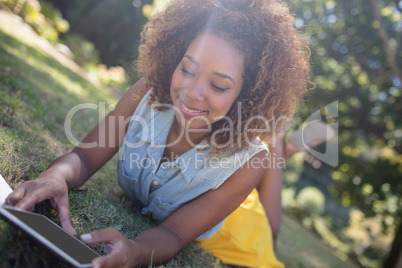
(155, 183)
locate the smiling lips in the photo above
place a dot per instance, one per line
(190, 111)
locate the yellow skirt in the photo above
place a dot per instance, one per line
(245, 238)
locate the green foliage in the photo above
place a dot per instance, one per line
(112, 26)
(356, 55)
(85, 52)
(43, 17)
(310, 201)
(350, 65)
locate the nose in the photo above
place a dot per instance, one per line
(196, 91)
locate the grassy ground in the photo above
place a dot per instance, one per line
(38, 87)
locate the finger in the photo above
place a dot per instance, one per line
(28, 201)
(116, 259)
(53, 203)
(65, 216)
(107, 248)
(101, 236)
(16, 196)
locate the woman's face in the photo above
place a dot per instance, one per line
(206, 82)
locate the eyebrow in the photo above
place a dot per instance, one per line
(214, 73)
(191, 59)
(224, 76)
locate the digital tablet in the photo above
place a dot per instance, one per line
(51, 235)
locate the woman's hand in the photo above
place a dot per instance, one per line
(47, 187)
(120, 249)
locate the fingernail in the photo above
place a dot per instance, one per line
(86, 237)
(97, 265)
(73, 232)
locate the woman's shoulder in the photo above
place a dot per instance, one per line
(143, 106)
(246, 150)
(220, 165)
(130, 101)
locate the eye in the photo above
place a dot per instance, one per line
(187, 72)
(221, 89)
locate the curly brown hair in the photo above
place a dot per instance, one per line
(276, 67)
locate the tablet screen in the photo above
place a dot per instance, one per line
(54, 234)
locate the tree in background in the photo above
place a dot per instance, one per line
(44, 20)
(113, 26)
(356, 49)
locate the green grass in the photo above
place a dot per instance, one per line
(37, 89)
(298, 247)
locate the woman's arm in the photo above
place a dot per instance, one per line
(74, 168)
(190, 221)
(270, 187)
(107, 136)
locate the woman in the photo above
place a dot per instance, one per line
(217, 74)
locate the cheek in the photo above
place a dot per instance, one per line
(221, 106)
(227, 101)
